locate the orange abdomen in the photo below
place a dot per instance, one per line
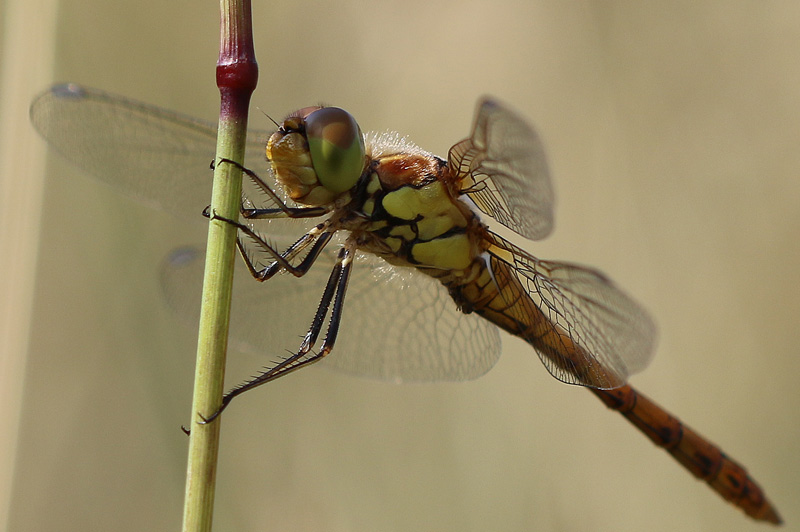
(503, 300)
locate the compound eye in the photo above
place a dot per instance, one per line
(336, 146)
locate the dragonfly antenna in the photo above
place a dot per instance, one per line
(270, 118)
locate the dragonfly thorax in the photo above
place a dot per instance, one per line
(412, 217)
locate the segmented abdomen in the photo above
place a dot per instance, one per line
(702, 458)
(498, 295)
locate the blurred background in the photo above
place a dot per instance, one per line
(671, 130)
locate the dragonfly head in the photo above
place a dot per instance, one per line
(317, 154)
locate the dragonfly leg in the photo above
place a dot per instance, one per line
(267, 272)
(319, 236)
(283, 210)
(334, 293)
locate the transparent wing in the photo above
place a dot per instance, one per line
(503, 169)
(397, 325)
(410, 328)
(584, 328)
(156, 156)
(162, 158)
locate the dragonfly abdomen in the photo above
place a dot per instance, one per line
(702, 458)
(498, 295)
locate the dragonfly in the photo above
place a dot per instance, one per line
(433, 284)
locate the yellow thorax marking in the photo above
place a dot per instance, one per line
(450, 253)
(431, 204)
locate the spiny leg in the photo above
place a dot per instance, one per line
(283, 210)
(335, 291)
(318, 235)
(318, 238)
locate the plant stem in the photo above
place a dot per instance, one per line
(237, 74)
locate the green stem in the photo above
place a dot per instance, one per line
(237, 73)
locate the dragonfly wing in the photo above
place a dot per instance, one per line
(156, 156)
(401, 325)
(609, 329)
(396, 325)
(502, 168)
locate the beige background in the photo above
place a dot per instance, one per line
(672, 131)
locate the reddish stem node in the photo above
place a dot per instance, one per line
(237, 70)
